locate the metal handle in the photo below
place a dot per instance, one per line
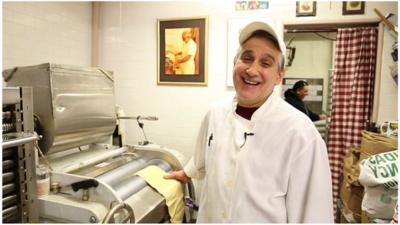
(84, 184)
(138, 117)
(26, 138)
(121, 206)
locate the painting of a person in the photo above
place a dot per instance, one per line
(184, 61)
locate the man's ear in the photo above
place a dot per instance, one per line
(281, 75)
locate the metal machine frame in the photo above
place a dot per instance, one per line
(19, 180)
(91, 181)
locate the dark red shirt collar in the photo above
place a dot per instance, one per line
(245, 112)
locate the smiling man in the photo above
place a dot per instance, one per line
(262, 160)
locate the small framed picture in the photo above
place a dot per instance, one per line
(306, 8)
(182, 51)
(353, 7)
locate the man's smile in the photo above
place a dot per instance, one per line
(248, 81)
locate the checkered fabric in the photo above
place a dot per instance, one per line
(352, 95)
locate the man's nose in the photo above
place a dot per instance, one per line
(253, 69)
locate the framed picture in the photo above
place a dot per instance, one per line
(182, 51)
(306, 8)
(353, 7)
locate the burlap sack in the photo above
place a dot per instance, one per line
(373, 143)
(351, 168)
(351, 197)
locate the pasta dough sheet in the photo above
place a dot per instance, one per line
(170, 189)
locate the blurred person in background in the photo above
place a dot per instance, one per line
(295, 97)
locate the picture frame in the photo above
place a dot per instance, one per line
(353, 7)
(306, 8)
(182, 51)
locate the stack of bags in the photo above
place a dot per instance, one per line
(364, 197)
(378, 175)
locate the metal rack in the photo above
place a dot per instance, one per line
(19, 180)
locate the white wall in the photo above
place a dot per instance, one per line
(39, 32)
(313, 58)
(129, 48)
(60, 32)
(388, 91)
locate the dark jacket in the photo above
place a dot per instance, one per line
(296, 102)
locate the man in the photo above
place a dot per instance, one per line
(295, 97)
(262, 160)
(185, 59)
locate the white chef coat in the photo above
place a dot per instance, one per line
(188, 67)
(279, 175)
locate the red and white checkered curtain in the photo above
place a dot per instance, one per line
(352, 94)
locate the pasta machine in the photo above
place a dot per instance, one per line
(91, 179)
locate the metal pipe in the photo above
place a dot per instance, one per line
(93, 160)
(8, 177)
(9, 211)
(9, 200)
(311, 30)
(20, 141)
(11, 218)
(133, 184)
(114, 176)
(8, 127)
(130, 186)
(7, 115)
(8, 188)
(8, 153)
(8, 164)
(138, 117)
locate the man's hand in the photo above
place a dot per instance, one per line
(322, 117)
(179, 175)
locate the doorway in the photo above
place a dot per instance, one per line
(310, 56)
(346, 77)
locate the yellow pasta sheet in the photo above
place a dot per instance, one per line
(170, 189)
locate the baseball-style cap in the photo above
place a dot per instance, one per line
(246, 32)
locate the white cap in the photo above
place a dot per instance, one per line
(246, 32)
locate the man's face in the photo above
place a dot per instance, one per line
(186, 36)
(302, 92)
(256, 72)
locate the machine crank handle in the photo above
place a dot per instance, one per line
(137, 117)
(85, 184)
